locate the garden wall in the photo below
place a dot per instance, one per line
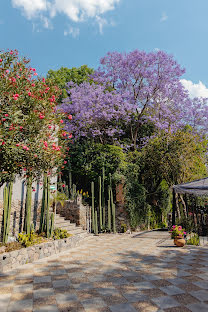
(14, 259)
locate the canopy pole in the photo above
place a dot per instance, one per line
(173, 208)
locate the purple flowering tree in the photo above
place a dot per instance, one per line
(96, 111)
(128, 90)
(149, 81)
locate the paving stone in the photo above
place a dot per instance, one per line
(134, 296)
(61, 283)
(93, 303)
(107, 291)
(4, 301)
(65, 298)
(177, 281)
(165, 302)
(201, 295)
(20, 305)
(42, 279)
(172, 290)
(124, 307)
(152, 277)
(22, 288)
(198, 307)
(144, 285)
(131, 272)
(43, 292)
(47, 308)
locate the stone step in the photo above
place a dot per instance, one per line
(65, 225)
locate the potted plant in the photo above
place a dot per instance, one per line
(178, 233)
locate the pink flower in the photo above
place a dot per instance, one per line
(70, 136)
(33, 85)
(3, 143)
(65, 162)
(184, 233)
(70, 117)
(24, 147)
(45, 143)
(29, 93)
(1, 60)
(173, 226)
(179, 228)
(41, 116)
(35, 155)
(61, 121)
(34, 69)
(15, 96)
(63, 185)
(35, 74)
(6, 115)
(21, 127)
(17, 144)
(43, 79)
(49, 127)
(11, 52)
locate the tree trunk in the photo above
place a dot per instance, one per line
(184, 206)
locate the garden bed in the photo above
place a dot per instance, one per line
(14, 259)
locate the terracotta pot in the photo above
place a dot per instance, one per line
(179, 241)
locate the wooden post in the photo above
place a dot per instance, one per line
(173, 208)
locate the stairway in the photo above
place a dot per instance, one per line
(71, 228)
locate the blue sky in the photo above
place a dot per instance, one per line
(55, 33)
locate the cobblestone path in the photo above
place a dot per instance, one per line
(112, 273)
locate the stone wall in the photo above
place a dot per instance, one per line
(14, 259)
(75, 211)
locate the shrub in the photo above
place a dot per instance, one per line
(123, 227)
(29, 239)
(59, 234)
(193, 240)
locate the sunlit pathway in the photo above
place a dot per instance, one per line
(114, 273)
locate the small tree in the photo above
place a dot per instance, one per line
(30, 125)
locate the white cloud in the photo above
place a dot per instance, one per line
(73, 31)
(164, 17)
(31, 7)
(101, 23)
(195, 89)
(75, 10)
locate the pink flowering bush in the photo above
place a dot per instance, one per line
(177, 231)
(31, 128)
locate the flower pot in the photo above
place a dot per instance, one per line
(179, 241)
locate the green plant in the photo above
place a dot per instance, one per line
(93, 206)
(123, 227)
(7, 198)
(193, 240)
(100, 202)
(60, 233)
(28, 205)
(29, 239)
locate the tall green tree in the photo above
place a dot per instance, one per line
(64, 74)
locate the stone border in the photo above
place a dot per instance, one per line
(14, 259)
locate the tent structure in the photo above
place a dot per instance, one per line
(197, 188)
